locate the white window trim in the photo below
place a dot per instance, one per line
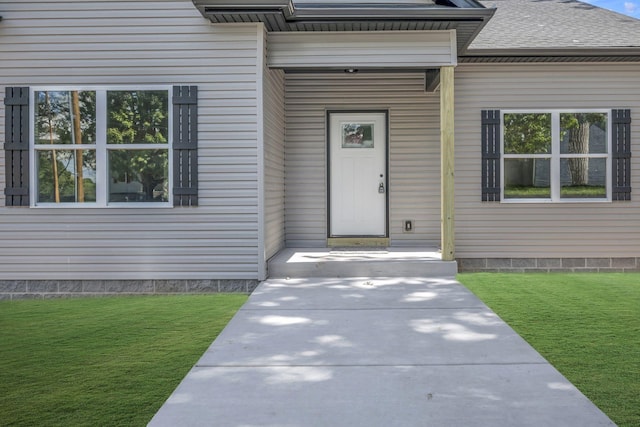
(555, 156)
(101, 148)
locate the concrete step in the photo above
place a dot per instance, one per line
(360, 262)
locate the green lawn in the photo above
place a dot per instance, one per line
(568, 192)
(101, 361)
(586, 325)
(114, 361)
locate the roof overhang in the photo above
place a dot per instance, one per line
(619, 54)
(467, 17)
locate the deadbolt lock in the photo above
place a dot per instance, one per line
(381, 188)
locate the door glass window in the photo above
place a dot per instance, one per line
(357, 135)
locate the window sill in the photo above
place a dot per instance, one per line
(555, 202)
(109, 206)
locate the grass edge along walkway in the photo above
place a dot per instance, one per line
(586, 325)
(102, 361)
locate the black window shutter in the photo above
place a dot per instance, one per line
(16, 146)
(185, 145)
(490, 155)
(621, 154)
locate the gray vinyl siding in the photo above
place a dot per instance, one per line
(274, 128)
(414, 152)
(490, 229)
(387, 49)
(77, 42)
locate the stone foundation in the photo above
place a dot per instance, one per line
(549, 265)
(41, 289)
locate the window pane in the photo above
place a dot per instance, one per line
(527, 133)
(65, 117)
(527, 179)
(138, 175)
(583, 133)
(357, 135)
(582, 177)
(58, 181)
(138, 117)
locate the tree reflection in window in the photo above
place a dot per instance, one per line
(101, 146)
(65, 121)
(527, 137)
(582, 134)
(555, 155)
(136, 122)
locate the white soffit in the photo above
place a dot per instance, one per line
(361, 50)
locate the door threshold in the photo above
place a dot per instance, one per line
(357, 242)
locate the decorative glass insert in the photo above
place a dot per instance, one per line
(357, 135)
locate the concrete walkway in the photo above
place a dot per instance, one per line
(372, 352)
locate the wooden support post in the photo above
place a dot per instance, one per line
(447, 162)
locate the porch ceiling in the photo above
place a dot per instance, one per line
(467, 17)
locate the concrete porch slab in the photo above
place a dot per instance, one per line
(360, 262)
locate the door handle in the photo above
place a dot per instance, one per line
(381, 188)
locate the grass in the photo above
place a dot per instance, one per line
(526, 192)
(583, 191)
(586, 325)
(103, 361)
(573, 191)
(114, 361)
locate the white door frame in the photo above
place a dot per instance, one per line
(385, 179)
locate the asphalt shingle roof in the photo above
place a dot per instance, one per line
(554, 24)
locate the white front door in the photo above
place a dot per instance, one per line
(358, 174)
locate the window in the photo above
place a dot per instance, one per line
(61, 134)
(101, 146)
(556, 155)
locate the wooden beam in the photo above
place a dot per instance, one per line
(447, 233)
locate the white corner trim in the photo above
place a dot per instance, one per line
(261, 47)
